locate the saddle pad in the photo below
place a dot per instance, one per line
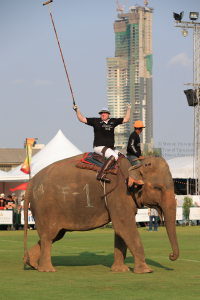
(88, 158)
(88, 162)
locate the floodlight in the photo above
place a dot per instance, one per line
(178, 17)
(184, 32)
(191, 97)
(194, 16)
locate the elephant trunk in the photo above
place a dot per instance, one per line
(169, 211)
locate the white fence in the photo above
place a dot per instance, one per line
(6, 216)
(194, 213)
(30, 217)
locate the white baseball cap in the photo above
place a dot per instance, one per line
(104, 110)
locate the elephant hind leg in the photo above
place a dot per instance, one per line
(45, 256)
(33, 255)
(60, 235)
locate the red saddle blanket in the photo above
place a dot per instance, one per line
(93, 161)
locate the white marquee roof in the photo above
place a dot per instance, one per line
(57, 149)
(182, 167)
(2, 173)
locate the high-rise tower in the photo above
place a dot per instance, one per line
(129, 73)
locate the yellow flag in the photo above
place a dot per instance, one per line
(26, 167)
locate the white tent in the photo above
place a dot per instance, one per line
(182, 167)
(57, 149)
(2, 173)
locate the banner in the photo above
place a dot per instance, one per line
(142, 215)
(27, 163)
(179, 213)
(6, 217)
(30, 217)
(194, 213)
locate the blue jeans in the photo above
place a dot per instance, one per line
(131, 158)
(155, 222)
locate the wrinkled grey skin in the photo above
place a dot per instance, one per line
(64, 198)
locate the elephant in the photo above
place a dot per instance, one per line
(64, 198)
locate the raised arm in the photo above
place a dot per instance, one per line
(79, 115)
(128, 113)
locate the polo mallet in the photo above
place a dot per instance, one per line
(48, 2)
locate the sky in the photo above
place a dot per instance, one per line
(34, 93)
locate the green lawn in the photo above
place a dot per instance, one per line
(83, 261)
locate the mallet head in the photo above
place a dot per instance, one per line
(47, 2)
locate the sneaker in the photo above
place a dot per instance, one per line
(156, 230)
(150, 230)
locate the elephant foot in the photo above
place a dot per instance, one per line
(48, 269)
(31, 261)
(142, 268)
(119, 268)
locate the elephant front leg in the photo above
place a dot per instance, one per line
(119, 255)
(45, 256)
(125, 227)
(133, 241)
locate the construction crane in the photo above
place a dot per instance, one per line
(120, 8)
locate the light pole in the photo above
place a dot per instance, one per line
(196, 84)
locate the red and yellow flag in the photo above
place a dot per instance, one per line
(27, 163)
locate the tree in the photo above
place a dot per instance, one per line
(186, 207)
(150, 153)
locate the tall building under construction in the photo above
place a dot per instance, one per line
(129, 73)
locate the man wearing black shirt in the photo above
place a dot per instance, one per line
(104, 136)
(133, 148)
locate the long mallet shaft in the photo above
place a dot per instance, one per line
(61, 52)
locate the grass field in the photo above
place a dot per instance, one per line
(83, 261)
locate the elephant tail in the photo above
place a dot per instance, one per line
(26, 204)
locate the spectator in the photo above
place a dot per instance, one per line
(15, 199)
(152, 212)
(176, 200)
(2, 201)
(176, 222)
(10, 204)
(16, 209)
(22, 202)
(22, 207)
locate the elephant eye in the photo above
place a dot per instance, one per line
(149, 164)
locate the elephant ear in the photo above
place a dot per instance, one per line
(134, 167)
(140, 171)
(135, 172)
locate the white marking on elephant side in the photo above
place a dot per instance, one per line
(86, 187)
(65, 191)
(38, 190)
(75, 193)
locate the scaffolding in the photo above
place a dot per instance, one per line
(196, 84)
